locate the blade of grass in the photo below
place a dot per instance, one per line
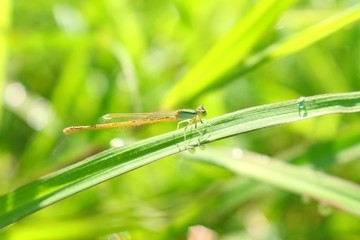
(328, 190)
(205, 69)
(114, 162)
(231, 193)
(297, 42)
(229, 51)
(72, 79)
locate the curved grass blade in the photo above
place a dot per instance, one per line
(328, 190)
(297, 42)
(205, 69)
(114, 162)
(229, 51)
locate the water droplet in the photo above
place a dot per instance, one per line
(202, 147)
(302, 107)
(191, 150)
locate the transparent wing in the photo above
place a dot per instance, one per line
(124, 120)
(135, 119)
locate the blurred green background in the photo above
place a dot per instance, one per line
(66, 63)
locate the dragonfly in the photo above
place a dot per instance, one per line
(122, 120)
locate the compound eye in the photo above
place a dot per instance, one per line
(202, 110)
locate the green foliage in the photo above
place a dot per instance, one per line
(67, 63)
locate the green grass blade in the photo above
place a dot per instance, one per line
(328, 190)
(229, 51)
(274, 114)
(114, 162)
(298, 42)
(71, 80)
(213, 73)
(315, 33)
